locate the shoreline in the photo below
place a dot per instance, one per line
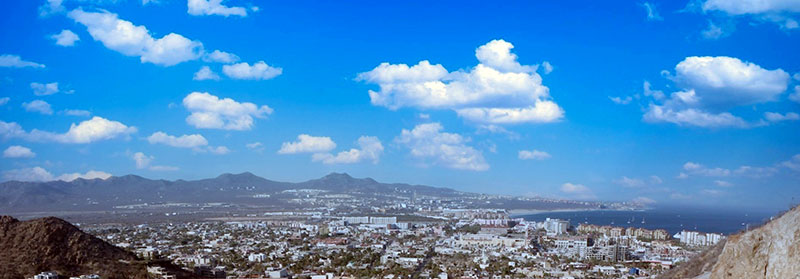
(523, 212)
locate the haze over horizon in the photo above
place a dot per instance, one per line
(665, 102)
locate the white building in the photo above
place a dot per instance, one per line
(259, 257)
(555, 226)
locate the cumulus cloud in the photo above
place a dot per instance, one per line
(713, 85)
(51, 7)
(620, 100)
(258, 71)
(652, 11)
(630, 182)
(14, 61)
(143, 162)
(16, 151)
(36, 174)
(4, 100)
(533, 155)
(370, 149)
(307, 144)
(196, 142)
(780, 12)
(220, 57)
(547, 68)
(92, 174)
(38, 106)
(211, 112)
(132, 40)
(65, 38)
(205, 73)
(427, 142)
(698, 169)
(578, 191)
(498, 90)
(213, 7)
(39, 174)
(257, 146)
(777, 117)
(796, 95)
(722, 183)
(87, 131)
(76, 112)
(793, 163)
(42, 89)
(184, 141)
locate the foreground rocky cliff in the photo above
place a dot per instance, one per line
(770, 251)
(52, 244)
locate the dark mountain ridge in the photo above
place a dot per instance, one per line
(104, 194)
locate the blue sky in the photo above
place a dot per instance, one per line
(665, 102)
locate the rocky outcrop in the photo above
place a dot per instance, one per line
(771, 251)
(52, 244)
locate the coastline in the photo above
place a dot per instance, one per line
(522, 212)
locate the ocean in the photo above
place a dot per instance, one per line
(672, 220)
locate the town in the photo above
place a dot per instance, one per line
(428, 243)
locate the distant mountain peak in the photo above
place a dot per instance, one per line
(246, 174)
(336, 175)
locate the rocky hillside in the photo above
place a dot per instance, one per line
(52, 244)
(770, 251)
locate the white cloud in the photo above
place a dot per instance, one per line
(51, 7)
(40, 89)
(38, 106)
(498, 90)
(698, 169)
(722, 183)
(213, 7)
(533, 155)
(14, 61)
(578, 191)
(755, 172)
(205, 73)
(259, 71)
(16, 151)
(65, 38)
(727, 82)
(620, 100)
(76, 112)
(713, 31)
(39, 174)
(796, 95)
(255, 145)
(740, 7)
(142, 161)
(370, 149)
(793, 163)
(220, 57)
(428, 142)
(132, 40)
(196, 142)
(780, 12)
(36, 174)
(184, 141)
(547, 68)
(92, 174)
(211, 112)
(307, 144)
(4, 101)
(777, 117)
(87, 131)
(713, 85)
(652, 11)
(630, 182)
(656, 180)
(693, 117)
